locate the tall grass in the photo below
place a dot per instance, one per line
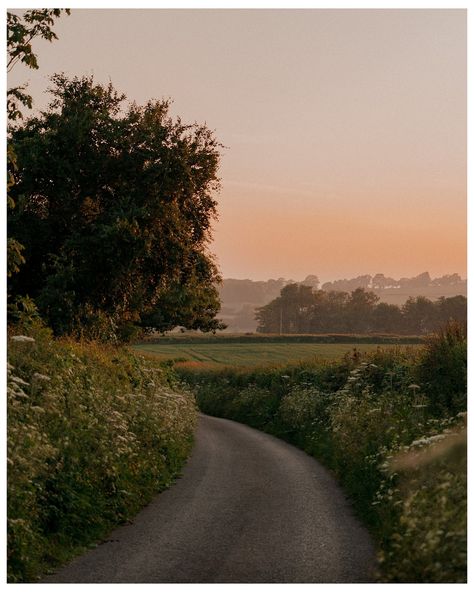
(379, 423)
(93, 433)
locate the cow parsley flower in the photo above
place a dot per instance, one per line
(22, 339)
(38, 376)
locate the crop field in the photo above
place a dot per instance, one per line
(225, 353)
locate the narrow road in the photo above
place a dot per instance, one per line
(248, 508)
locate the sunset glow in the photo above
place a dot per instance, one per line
(345, 130)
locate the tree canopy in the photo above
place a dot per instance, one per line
(302, 309)
(21, 31)
(115, 203)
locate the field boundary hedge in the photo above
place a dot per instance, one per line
(291, 338)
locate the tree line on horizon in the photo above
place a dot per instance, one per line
(302, 309)
(379, 281)
(234, 290)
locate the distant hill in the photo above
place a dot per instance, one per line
(240, 298)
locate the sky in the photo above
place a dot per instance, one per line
(345, 130)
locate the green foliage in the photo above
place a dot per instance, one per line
(67, 402)
(15, 249)
(365, 417)
(419, 314)
(21, 31)
(359, 310)
(443, 369)
(304, 418)
(428, 543)
(23, 313)
(255, 406)
(121, 193)
(302, 309)
(14, 256)
(17, 97)
(190, 303)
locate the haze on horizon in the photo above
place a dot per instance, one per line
(345, 129)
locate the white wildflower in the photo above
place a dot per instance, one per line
(18, 380)
(19, 394)
(22, 339)
(16, 392)
(38, 376)
(428, 440)
(15, 521)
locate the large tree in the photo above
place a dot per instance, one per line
(289, 313)
(419, 315)
(115, 206)
(359, 310)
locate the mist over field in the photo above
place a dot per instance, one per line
(240, 298)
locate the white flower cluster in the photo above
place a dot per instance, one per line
(427, 440)
(22, 339)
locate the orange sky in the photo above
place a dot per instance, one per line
(346, 129)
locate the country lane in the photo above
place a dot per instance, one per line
(248, 508)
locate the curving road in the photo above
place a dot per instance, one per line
(248, 508)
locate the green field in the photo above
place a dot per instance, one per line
(226, 353)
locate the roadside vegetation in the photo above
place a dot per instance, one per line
(93, 433)
(390, 424)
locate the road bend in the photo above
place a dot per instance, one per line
(248, 508)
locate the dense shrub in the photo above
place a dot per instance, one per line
(304, 419)
(428, 542)
(93, 433)
(443, 369)
(255, 406)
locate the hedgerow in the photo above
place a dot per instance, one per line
(93, 433)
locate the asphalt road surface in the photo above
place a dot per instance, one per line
(248, 508)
